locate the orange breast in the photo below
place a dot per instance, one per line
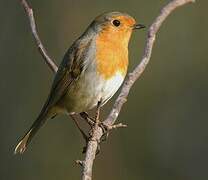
(111, 54)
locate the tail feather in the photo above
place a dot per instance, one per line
(22, 145)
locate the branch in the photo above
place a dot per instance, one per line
(38, 42)
(130, 80)
(132, 77)
(92, 145)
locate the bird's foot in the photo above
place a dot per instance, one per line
(94, 124)
(105, 128)
(88, 119)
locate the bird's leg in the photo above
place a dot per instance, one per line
(86, 138)
(99, 123)
(87, 118)
(96, 124)
(92, 121)
(105, 128)
(97, 114)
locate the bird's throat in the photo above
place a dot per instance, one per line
(111, 55)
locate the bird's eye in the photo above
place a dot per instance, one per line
(116, 22)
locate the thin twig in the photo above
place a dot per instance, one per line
(38, 42)
(92, 145)
(130, 80)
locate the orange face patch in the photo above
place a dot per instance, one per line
(112, 46)
(111, 54)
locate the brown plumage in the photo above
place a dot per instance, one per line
(92, 69)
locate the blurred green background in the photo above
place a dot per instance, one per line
(166, 112)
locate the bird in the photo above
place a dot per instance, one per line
(91, 72)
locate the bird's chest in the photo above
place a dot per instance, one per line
(111, 56)
(104, 74)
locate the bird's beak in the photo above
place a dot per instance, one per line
(138, 26)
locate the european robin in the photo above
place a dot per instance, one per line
(92, 70)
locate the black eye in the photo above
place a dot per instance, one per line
(116, 22)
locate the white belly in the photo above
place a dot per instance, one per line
(111, 86)
(90, 89)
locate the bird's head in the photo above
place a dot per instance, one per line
(116, 26)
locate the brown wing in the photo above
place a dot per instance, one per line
(70, 69)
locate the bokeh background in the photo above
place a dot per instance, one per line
(166, 112)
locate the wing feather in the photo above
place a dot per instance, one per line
(68, 72)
